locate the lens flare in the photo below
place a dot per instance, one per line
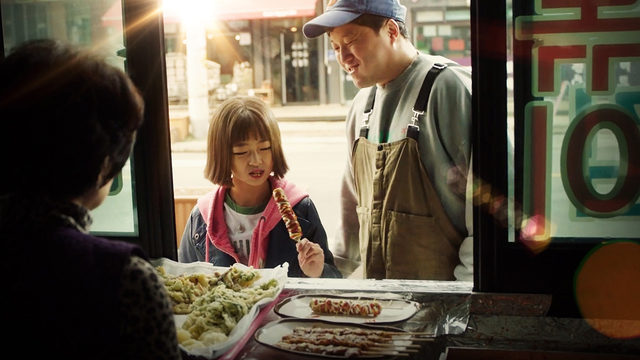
(607, 289)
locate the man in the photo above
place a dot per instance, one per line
(404, 208)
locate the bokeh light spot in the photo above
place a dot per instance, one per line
(607, 289)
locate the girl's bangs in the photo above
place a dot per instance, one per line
(246, 127)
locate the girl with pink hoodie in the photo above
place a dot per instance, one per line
(239, 222)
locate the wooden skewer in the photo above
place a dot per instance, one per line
(382, 303)
(418, 339)
(396, 345)
(385, 349)
(407, 333)
(395, 353)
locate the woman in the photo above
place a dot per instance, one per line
(68, 126)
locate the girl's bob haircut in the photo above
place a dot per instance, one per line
(238, 119)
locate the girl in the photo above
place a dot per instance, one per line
(239, 221)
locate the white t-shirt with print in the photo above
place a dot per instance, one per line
(240, 228)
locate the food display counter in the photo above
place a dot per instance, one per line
(452, 321)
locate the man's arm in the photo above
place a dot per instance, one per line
(464, 270)
(347, 244)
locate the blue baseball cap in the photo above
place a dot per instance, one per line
(345, 11)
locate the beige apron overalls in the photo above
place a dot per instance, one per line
(404, 230)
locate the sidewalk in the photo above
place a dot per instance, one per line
(328, 112)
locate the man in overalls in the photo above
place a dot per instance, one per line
(405, 213)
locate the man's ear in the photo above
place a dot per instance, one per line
(393, 29)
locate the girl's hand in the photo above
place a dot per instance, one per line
(310, 257)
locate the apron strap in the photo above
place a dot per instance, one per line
(418, 109)
(368, 109)
(423, 98)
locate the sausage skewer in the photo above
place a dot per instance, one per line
(338, 350)
(289, 217)
(347, 342)
(362, 342)
(345, 331)
(345, 307)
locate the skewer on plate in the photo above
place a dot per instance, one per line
(339, 350)
(359, 332)
(393, 353)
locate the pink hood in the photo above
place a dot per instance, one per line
(211, 208)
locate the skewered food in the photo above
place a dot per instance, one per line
(360, 341)
(343, 334)
(370, 308)
(322, 349)
(345, 342)
(289, 217)
(302, 330)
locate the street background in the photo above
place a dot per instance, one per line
(314, 143)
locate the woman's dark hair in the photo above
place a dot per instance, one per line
(67, 117)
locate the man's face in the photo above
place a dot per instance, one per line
(363, 53)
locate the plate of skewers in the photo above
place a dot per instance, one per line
(336, 340)
(347, 309)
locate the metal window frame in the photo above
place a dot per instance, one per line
(144, 43)
(151, 160)
(501, 266)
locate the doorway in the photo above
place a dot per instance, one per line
(295, 68)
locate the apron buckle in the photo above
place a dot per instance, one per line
(364, 129)
(416, 115)
(365, 120)
(413, 129)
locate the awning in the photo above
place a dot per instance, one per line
(263, 9)
(113, 16)
(232, 10)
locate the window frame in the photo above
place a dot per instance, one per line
(151, 160)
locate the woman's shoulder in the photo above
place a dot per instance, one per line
(78, 239)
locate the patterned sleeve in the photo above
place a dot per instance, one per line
(148, 330)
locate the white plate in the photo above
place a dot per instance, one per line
(393, 310)
(273, 332)
(211, 352)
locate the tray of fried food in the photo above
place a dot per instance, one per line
(185, 284)
(218, 304)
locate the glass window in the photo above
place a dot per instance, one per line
(429, 16)
(452, 41)
(87, 24)
(455, 15)
(571, 181)
(581, 126)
